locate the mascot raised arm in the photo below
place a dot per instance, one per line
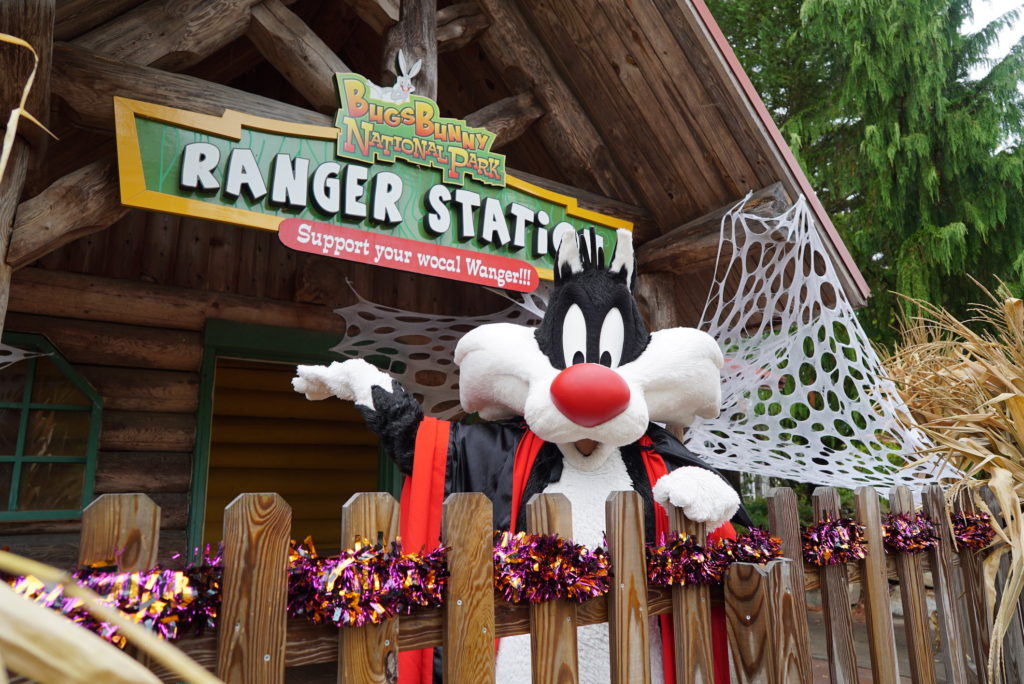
(571, 406)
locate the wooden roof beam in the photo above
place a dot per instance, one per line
(296, 52)
(82, 202)
(457, 25)
(415, 35)
(170, 34)
(694, 245)
(32, 21)
(508, 118)
(524, 64)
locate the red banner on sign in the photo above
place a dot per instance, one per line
(403, 254)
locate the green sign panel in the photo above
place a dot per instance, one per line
(394, 184)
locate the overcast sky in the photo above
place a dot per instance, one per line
(987, 10)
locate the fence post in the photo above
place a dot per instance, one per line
(979, 619)
(835, 600)
(915, 609)
(765, 639)
(251, 635)
(874, 578)
(369, 653)
(120, 527)
(628, 642)
(691, 614)
(552, 623)
(466, 529)
(941, 560)
(784, 522)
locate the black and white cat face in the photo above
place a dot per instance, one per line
(590, 370)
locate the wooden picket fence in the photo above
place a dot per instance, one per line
(765, 605)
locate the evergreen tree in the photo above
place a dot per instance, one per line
(920, 166)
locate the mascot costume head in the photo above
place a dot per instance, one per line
(571, 406)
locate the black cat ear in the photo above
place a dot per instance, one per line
(623, 259)
(569, 260)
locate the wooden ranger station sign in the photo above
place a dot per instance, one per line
(392, 184)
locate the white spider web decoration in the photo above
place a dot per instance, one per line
(10, 355)
(804, 395)
(417, 349)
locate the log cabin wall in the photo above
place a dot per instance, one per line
(127, 307)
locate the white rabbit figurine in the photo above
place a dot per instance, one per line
(403, 87)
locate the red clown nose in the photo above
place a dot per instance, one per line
(589, 394)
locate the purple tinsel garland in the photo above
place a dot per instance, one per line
(371, 583)
(903, 533)
(833, 541)
(531, 568)
(973, 530)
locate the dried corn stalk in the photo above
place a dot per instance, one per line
(963, 382)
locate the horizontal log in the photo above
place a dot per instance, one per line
(334, 476)
(508, 118)
(135, 389)
(88, 81)
(117, 300)
(694, 245)
(458, 25)
(113, 344)
(170, 34)
(289, 457)
(61, 550)
(379, 14)
(138, 431)
(240, 430)
(297, 53)
(75, 205)
(75, 17)
(131, 472)
(239, 402)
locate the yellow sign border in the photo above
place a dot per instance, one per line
(229, 125)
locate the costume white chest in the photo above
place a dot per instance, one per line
(586, 481)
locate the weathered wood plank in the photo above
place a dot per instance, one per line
(1013, 642)
(369, 653)
(694, 245)
(784, 523)
(508, 118)
(524, 64)
(129, 346)
(32, 21)
(170, 34)
(469, 606)
(141, 431)
(915, 609)
(875, 581)
(835, 601)
(251, 638)
(749, 622)
(415, 35)
(75, 295)
(74, 205)
(691, 615)
(119, 472)
(940, 560)
(553, 653)
(976, 606)
(135, 389)
(121, 527)
(628, 642)
(297, 53)
(791, 645)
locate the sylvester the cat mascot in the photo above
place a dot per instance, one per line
(571, 406)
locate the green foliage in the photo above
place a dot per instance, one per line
(920, 166)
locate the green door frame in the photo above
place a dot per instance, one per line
(253, 342)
